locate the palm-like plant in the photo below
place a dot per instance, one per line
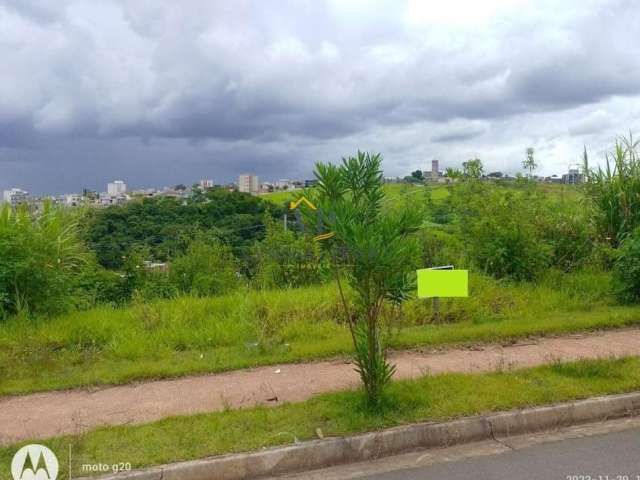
(614, 191)
(372, 248)
(453, 173)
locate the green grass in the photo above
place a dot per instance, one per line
(431, 398)
(248, 328)
(399, 194)
(279, 197)
(396, 194)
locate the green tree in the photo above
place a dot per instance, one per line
(374, 249)
(529, 163)
(417, 174)
(166, 226)
(472, 169)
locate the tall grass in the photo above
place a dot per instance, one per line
(39, 254)
(190, 335)
(614, 191)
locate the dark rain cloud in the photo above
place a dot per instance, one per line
(144, 90)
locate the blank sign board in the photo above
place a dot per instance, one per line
(443, 283)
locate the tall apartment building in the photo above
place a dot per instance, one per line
(248, 183)
(206, 183)
(15, 196)
(434, 170)
(116, 188)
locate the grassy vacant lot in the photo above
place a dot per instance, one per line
(197, 335)
(396, 194)
(427, 399)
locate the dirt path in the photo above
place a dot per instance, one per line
(49, 414)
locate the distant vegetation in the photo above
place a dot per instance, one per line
(65, 259)
(163, 227)
(223, 272)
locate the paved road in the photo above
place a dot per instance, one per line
(598, 451)
(614, 456)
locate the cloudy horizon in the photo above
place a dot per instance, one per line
(159, 93)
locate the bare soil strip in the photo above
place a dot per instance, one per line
(50, 414)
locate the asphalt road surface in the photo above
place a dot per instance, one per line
(613, 456)
(599, 451)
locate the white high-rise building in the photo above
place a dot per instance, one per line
(117, 188)
(248, 183)
(15, 196)
(206, 183)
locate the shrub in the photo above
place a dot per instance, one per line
(500, 231)
(440, 213)
(207, 268)
(96, 285)
(626, 270)
(570, 235)
(39, 256)
(286, 259)
(374, 250)
(440, 247)
(614, 191)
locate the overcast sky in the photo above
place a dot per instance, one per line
(164, 92)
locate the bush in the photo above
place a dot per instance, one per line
(500, 228)
(626, 270)
(613, 192)
(376, 253)
(440, 247)
(207, 268)
(286, 259)
(441, 212)
(96, 285)
(40, 254)
(569, 234)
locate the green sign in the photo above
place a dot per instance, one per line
(443, 283)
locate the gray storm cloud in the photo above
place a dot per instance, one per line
(166, 92)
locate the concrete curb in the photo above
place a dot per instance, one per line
(324, 453)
